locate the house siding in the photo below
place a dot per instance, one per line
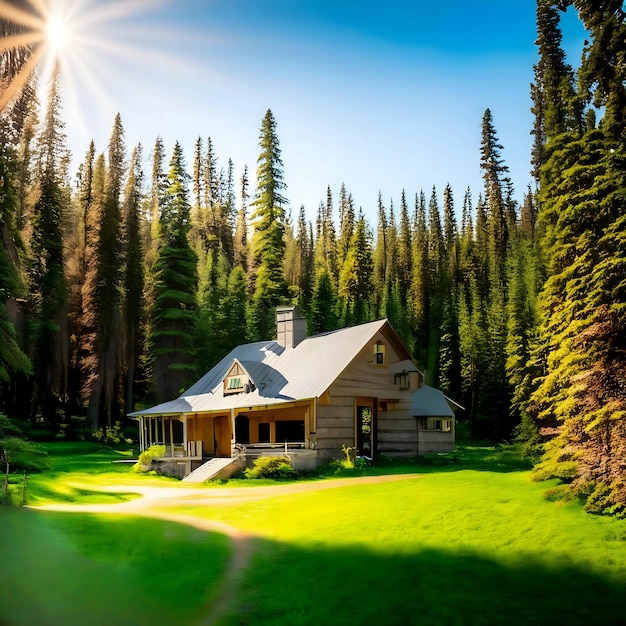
(335, 427)
(398, 433)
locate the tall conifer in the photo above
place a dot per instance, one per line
(47, 277)
(173, 313)
(269, 221)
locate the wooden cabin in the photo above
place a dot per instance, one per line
(305, 396)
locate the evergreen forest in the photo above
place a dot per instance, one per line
(125, 281)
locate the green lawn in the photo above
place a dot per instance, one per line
(472, 541)
(464, 547)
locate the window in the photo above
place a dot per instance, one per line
(379, 353)
(402, 380)
(289, 430)
(443, 425)
(264, 432)
(234, 384)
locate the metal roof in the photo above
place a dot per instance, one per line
(430, 402)
(280, 374)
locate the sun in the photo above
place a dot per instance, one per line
(56, 33)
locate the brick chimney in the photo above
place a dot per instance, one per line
(290, 326)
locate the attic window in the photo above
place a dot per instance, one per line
(379, 353)
(234, 384)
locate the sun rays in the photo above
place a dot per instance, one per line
(86, 41)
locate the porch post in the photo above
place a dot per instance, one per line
(171, 435)
(232, 435)
(185, 434)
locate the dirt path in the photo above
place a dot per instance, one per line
(156, 502)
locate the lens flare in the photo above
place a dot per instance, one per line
(56, 33)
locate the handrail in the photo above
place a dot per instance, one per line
(289, 444)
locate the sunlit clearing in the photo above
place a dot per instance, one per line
(56, 33)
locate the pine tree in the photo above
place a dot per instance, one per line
(322, 315)
(240, 244)
(602, 74)
(158, 187)
(306, 262)
(75, 233)
(92, 199)
(494, 170)
(582, 327)
(109, 275)
(234, 310)
(436, 286)
(47, 277)
(555, 106)
(391, 252)
(404, 259)
(523, 285)
(13, 361)
(132, 310)
(473, 350)
(269, 221)
(580, 352)
(356, 276)
(229, 212)
(449, 379)
(419, 293)
(173, 313)
(18, 62)
(346, 223)
(380, 258)
(467, 257)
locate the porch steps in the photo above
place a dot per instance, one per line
(209, 470)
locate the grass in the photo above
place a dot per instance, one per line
(470, 541)
(85, 473)
(472, 547)
(74, 569)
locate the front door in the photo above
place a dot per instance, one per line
(242, 429)
(366, 430)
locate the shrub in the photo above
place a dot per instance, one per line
(560, 493)
(604, 500)
(144, 463)
(271, 467)
(111, 435)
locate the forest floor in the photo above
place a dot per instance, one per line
(158, 502)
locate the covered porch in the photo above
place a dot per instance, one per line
(189, 437)
(249, 432)
(287, 429)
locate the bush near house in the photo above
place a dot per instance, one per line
(144, 464)
(271, 467)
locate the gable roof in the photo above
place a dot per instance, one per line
(280, 374)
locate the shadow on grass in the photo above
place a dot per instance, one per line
(79, 568)
(296, 586)
(104, 570)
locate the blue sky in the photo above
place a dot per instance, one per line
(381, 97)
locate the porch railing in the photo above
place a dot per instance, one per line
(176, 450)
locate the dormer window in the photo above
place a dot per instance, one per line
(234, 383)
(237, 380)
(379, 353)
